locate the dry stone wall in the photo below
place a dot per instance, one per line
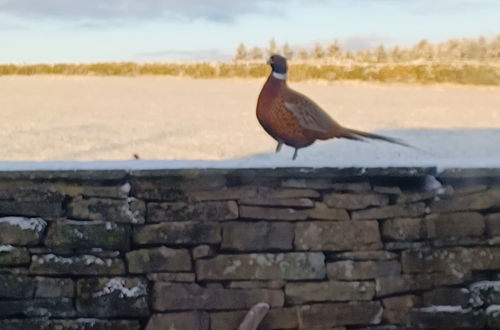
(394, 248)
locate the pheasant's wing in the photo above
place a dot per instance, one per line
(310, 115)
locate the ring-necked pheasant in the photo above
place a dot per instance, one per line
(293, 119)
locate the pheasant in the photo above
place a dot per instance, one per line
(293, 119)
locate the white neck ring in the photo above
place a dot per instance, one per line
(280, 76)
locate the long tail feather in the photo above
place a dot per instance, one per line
(353, 134)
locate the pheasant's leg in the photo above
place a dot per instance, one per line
(278, 147)
(295, 153)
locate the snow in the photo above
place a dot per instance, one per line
(443, 149)
(118, 284)
(493, 310)
(36, 224)
(6, 248)
(444, 309)
(486, 285)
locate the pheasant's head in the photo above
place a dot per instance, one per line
(278, 64)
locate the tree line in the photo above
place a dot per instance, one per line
(477, 49)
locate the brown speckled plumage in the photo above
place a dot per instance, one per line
(293, 119)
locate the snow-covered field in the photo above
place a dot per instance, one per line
(60, 119)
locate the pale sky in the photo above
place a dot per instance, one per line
(49, 31)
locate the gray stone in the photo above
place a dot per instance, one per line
(386, 286)
(112, 297)
(284, 202)
(268, 213)
(25, 324)
(177, 296)
(362, 270)
(273, 284)
(32, 208)
(447, 317)
(178, 233)
(118, 191)
(493, 224)
(21, 231)
(455, 225)
(307, 292)
(14, 256)
(404, 229)
(93, 324)
(50, 264)
(203, 251)
(179, 321)
(88, 234)
(476, 201)
(159, 259)
(354, 201)
(392, 190)
(402, 302)
(391, 211)
(16, 287)
(276, 318)
(341, 314)
(46, 307)
(337, 236)
(493, 317)
(244, 192)
(352, 186)
(322, 212)
(413, 197)
(484, 293)
(172, 277)
(451, 260)
(257, 236)
(128, 210)
(320, 183)
(202, 211)
(447, 297)
(50, 287)
(265, 266)
(367, 255)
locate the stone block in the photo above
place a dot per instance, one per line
(341, 314)
(447, 225)
(391, 211)
(179, 321)
(178, 296)
(276, 318)
(14, 256)
(337, 236)
(178, 233)
(477, 201)
(51, 264)
(493, 224)
(367, 255)
(362, 270)
(263, 266)
(128, 210)
(203, 251)
(112, 297)
(161, 259)
(51, 287)
(40, 307)
(172, 277)
(447, 297)
(272, 213)
(16, 287)
(21, 231)
(88, 234)
(183, 211)
(322, 212)
(403, 229)
(283, 202)
(447, 317)
(355, 201)
(257, 236)
(307, 292)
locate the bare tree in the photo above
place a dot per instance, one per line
(241, 53)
